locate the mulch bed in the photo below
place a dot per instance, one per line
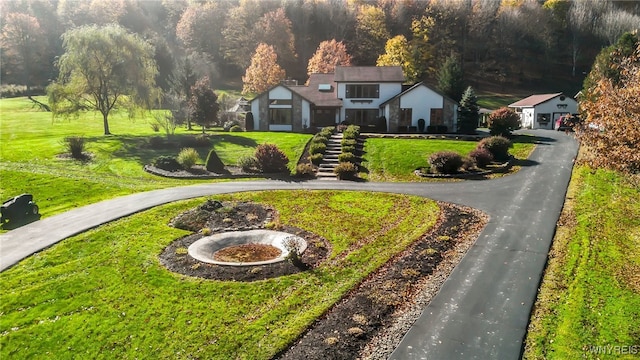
(357, 321)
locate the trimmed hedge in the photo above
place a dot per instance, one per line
(271, 159)
(346, 170)
(213, 162)
(445, 162)
(498, 146)
(482, 157)
(168, 163)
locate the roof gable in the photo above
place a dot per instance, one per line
(312, 93)
(369, 74)
(535, 100)
(414, 87)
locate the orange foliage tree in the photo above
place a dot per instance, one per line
(329, 54)
(611, 130)
(264, 70)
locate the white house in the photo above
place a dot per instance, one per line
(541, 111)
(359, 95)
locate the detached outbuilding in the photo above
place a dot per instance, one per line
(541, 111)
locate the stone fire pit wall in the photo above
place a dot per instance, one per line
(204, 248)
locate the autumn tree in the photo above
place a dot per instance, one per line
(200, 27)
(274, 28)
(398, 53)
(468, 112)
(371, 34)
(264, 70)
(103, 68)
(612, 133)
(451, 78)
(330, 54)
(203, 104)
(23, 45)
(421, 45)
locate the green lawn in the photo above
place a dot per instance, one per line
(396, 159)
(590, 294)
(104, 294)
(30, 141)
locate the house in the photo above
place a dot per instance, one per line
(541, 111)
(372, 97)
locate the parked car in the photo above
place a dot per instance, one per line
(567, 122)
(18, 208)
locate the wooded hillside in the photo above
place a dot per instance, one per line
(532, 45)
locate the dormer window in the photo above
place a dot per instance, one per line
(362, 91)
(324, 87)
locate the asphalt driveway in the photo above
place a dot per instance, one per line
(481, 311)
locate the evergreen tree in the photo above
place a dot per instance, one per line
(468, 112)
(451, 79)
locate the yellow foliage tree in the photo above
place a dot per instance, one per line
(611, 130)
(264, 70)
(329, 54)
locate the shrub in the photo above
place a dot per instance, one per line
(316, 159)
(167, 163)
(468, 163)
(346, 170)
(320, 138)
(188, 157)
(346, 157)
(270, 158)
(317, 148)
(305, 170)
(248, 163)
(351, 132)
(348, 149)
(445, 162)
(75, 146)
(236, 128)
(213, 162)
(503, 121)
(195, 141)
(229, 124)
(348, 142)
(481, 156)
(327, 131)
(498, 146)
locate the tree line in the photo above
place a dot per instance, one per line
(520, 41)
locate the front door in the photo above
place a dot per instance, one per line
(323, 117)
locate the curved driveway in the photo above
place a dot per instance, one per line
(481, 311)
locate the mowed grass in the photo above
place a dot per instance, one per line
(30, 141)
(396, 159)
(104, 294)
(590, 293)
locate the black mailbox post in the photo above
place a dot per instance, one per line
(18, 209)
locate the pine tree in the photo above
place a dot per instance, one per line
(468, 112)
(451, 79)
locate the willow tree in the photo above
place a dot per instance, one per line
(103, 68)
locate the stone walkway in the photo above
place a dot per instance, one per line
(481, 311)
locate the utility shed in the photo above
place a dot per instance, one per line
(541, 111)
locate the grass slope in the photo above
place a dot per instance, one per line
(590, 293)
(396, 159)
(104, 294)
(30, 142)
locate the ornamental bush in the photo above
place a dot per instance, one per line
(188, 157)
(317, 148)
(305, 170)
(168, 163)
(348, 142)
(503, 121)
(351, 132)
(75, 146)
(346, 157)
(445, 162)
(348, 149)
(346, 170)
(235, 128)
(271, 159)
(248, 163)
(229, 124)
(316, 159)
(481, 156)
(213, 162)
(498, 146)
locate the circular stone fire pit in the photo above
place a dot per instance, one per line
(205, 248)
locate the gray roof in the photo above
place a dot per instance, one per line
(369, 74)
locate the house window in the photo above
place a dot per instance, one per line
(405, 117)
(362, 117)
(544, 119)
(280, 116)
(361, 91)
(281, 102)
(436, 117)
